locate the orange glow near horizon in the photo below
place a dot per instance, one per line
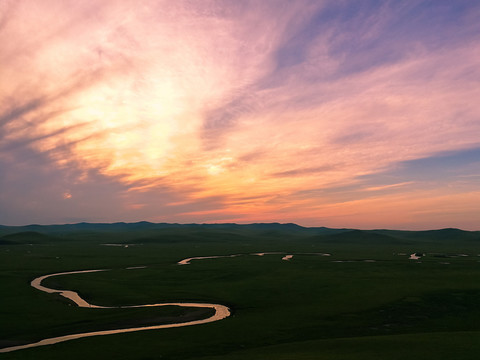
(221, 112)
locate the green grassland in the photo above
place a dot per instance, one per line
(366, 300)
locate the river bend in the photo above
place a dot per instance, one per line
(221, 312)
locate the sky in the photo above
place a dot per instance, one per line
(360, 114)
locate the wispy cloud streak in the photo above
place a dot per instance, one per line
(307, 111)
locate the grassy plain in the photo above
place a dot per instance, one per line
(366, 300)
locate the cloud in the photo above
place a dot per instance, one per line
(442, 168)
(303, 171)
(236, 110)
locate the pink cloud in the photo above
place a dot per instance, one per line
(240, 105)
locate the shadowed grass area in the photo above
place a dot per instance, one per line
(422, 346)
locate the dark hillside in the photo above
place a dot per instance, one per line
(444, 235)
(24, 237)
(362, 236)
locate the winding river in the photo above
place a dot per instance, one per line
(221, 312)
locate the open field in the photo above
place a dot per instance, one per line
(365, 300)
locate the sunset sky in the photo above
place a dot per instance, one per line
(362, 114)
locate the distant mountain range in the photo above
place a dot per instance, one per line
(146, 230)
(142, 225)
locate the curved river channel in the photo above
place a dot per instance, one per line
(221, 312)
